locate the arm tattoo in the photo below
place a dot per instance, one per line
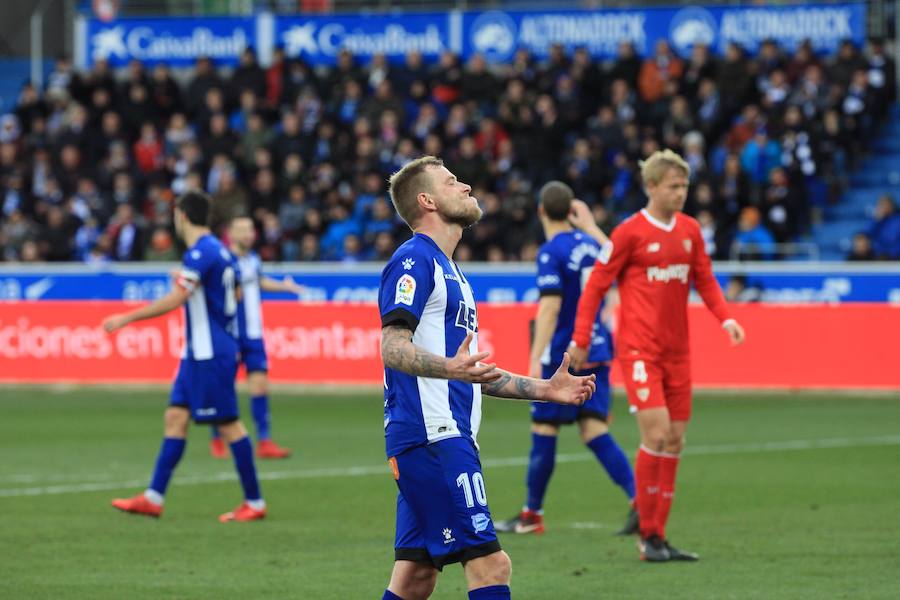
(398, 352)
(510, 385)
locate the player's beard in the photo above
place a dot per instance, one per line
(464, 214)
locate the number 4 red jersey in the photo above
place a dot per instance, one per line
(654, 264)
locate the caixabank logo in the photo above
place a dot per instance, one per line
(175, 43)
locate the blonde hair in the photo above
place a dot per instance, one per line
(405, 185)
(658, 164)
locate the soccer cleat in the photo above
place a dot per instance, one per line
(269, 449)
(138, 505)
(217, 448)
(244, 512)
(632, 524)
(527, 521)
(682, 555)
(653, 549)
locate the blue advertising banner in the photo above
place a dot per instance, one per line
(338, 283)
(497, 34)
(177, 42)
(319, 39)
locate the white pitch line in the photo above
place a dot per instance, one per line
(518, 461)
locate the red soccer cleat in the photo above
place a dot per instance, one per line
(527, 521)
(269, 449)
(244, 512)
(139, 505)
(217, 448)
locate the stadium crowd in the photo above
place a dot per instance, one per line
(90, 165)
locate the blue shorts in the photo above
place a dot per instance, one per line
(206, 388)
(557, 414)
(442, 511)
(253, 355)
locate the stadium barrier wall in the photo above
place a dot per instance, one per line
(846, 346)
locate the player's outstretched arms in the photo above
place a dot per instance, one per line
(398, 352)
(562, 388)
(175, 298)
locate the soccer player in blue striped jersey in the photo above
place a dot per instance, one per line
(204, 386)
(564, 263)
(241, 236)
(434, 379)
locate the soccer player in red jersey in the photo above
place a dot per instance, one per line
(655, 255)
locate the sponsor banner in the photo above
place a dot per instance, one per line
(318, 39)
(804, 346)
(175, 41)
(780, 284)
(497, 34)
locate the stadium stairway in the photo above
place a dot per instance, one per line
(876, 175)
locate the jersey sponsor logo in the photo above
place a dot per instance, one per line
(605, 253)
(408, 264)
(406, 290)
(467, 317)
(450, 277)
(480, 522)
(653, 247)
(643, 394)
(544, 258)
(576, 256)
(677, 272)
(545, 280)
(687, 245)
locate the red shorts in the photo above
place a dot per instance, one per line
(659, 384)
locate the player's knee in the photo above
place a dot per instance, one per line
(175, 421)
(493, 569)
(544, 429)
(414, 581)
(592, 428)
(674, 444)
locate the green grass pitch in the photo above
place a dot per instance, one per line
(785, 496)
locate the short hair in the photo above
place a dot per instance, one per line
(658, 164)
(195, 206)
(556, 199)
(406, 184)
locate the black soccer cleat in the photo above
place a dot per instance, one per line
(527, 521)
(632, 524)
(653, 549)
(681, 555)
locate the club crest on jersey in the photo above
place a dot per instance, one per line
(687, 245)
(605, 253)
(643, 394)
(406, 290)
(653, 247)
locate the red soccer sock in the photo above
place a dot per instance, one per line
(646, 474)
(668, 467)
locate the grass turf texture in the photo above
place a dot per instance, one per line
(785, 496)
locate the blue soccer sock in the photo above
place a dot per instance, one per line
(389, 595)
(170, 453)
(491, 592)
(610, 455)
(540, 468)
(259, 407)
(242, 451)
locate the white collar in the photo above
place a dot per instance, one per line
(657, 223)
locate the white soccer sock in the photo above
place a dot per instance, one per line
(257, 504)
(154, 496)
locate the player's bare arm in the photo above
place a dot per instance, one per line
(582, 218)
(174, 299)
(285, 285)
(399, 352)
(547, 314)
(562, 388)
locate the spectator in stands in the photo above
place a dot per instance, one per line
(861, 249)
(884, 231)
(753, 241)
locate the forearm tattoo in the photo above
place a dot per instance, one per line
(398, 352)
(512, 386)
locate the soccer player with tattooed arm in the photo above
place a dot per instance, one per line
(434, 378)
(655, 256)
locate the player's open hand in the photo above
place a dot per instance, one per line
(566, 388)
(735, 333)
(468, 367)
(292, 286)
(577, 355)
(114, 322)
(580, 216)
